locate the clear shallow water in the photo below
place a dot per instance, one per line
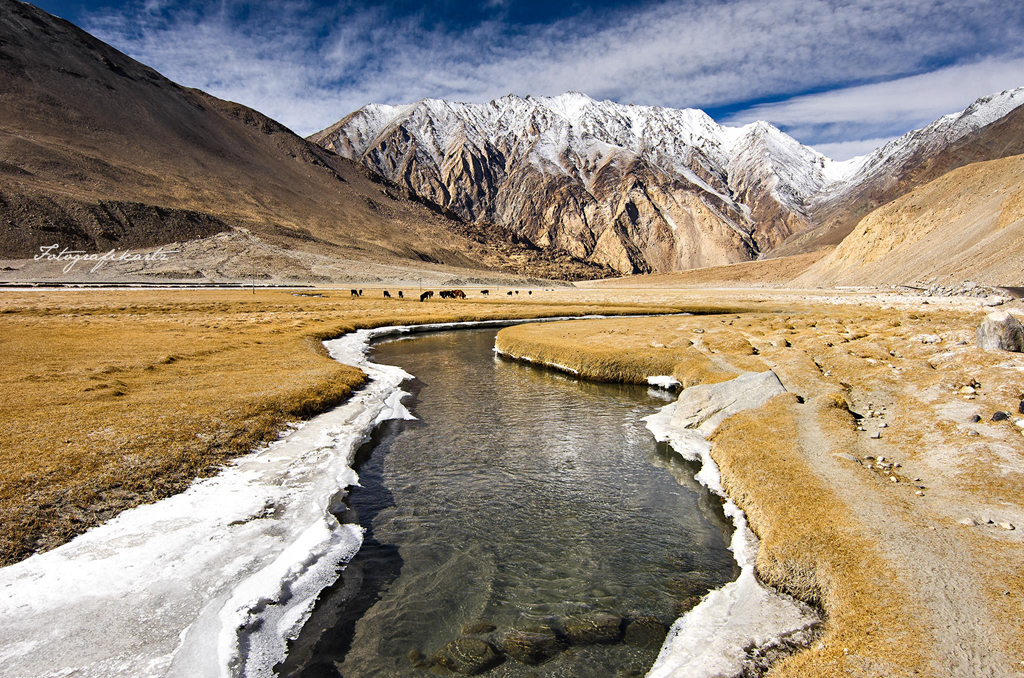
(521, 497)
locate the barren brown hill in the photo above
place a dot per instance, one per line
(965, 225)
(100, 151)
(837, 219)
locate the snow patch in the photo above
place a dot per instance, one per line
(666, 382)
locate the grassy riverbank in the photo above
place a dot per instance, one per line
(870, 529)
(115, 398)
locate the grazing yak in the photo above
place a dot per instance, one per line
(485, 292)
(387, 295)
(355, 293)
(453, 294)
(426, 295)
(510, 293)
(400, 296)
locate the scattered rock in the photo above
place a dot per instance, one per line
(970, 522)
(1019, 423)
(1001, 331)
(973, 433)
(994, 301)
(467, 656)
(646, 631)
(930, 339)
(894, 479)
(1000, 416)
(975, 418)
(919, 493)
(698, 331)
(876, 435)
(477, 628)
(527, 647)
(593, 628)
(883, 425)
(968, 390)
(1006, 526)
(846, 456)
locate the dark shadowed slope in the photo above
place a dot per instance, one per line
(100, 151)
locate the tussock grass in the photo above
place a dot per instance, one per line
(627, 350)
(115, 398)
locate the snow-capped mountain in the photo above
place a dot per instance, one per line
(632, 188)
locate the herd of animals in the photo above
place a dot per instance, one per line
(444, 294)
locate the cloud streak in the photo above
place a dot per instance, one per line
(308, 65)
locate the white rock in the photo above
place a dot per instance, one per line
(705, 407)
(876, 435)
(1001, 331)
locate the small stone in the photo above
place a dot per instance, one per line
(881, 459)
(876, 435)
(1000, 416)
(968, 390)
(477, 628)
(1006, 526)
(969, 522)
(1019, 423)
(698, 331)
(919, 493)
(593, 628)
(973, 433)
(917, 480)
(975, 418)
(894, 479)
(883, 425)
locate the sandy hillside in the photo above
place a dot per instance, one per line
(965, 225)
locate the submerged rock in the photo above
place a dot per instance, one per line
(467, 656)
(1001, 331)
(419, 660)
(528, 647)
(646, 631)
(593, 628)
(477, 628)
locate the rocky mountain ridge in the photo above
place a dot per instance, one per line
(632, 188)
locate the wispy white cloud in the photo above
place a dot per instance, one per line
(308, 65)
(852, 118)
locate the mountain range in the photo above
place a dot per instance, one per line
(642, 189)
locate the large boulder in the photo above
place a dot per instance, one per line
(1001, 331)
(705, 407)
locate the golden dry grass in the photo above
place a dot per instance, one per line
(821, 556)
(115, 398)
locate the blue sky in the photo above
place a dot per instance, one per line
(841, 75)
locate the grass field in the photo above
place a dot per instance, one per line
(114, 398)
